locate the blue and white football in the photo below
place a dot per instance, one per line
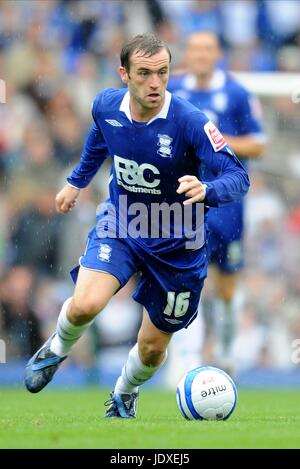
(206, 393)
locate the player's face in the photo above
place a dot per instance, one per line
(202, 53)
(147, 79)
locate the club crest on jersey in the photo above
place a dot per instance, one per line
(104, 252)
(215, 137)
(164, 143)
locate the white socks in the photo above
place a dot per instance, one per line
(135, 373)
(66, 333)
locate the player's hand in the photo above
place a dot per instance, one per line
(192, 188)
(65, 200)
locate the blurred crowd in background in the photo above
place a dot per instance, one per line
(55, 56)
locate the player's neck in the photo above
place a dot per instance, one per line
(142, 114)
(203, 81)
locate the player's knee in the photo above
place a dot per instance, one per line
(227, 295)
(226, 287)
(227, 298)
(82, 312)
(151, 352)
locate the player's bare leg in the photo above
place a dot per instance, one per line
(152, 343)
(144, 360)
(92, 292)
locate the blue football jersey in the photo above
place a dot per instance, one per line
(148, 158)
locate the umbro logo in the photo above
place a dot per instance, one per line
(113, 122)
(173, 321)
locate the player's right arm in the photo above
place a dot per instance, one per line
(65, 200)
(94, 153)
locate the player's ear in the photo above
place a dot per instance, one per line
(124, 75)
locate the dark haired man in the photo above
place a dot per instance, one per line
(161, 147)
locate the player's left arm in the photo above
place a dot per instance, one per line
(230, 181)
(250, 140)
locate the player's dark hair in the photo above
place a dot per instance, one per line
(148, 43)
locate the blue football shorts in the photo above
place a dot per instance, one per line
(169, 285)
(225, 237)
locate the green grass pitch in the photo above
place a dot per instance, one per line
(74, 419)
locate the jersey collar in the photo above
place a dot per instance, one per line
(217, 82)
(124, 107)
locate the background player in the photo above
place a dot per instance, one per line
(157, 141)
(237, 115)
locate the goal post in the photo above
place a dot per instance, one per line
(271, 83)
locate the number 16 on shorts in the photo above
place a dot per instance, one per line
(177, 305)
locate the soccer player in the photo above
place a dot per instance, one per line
(161, 147)
(237, 115)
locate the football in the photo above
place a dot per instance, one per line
(206, 393)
